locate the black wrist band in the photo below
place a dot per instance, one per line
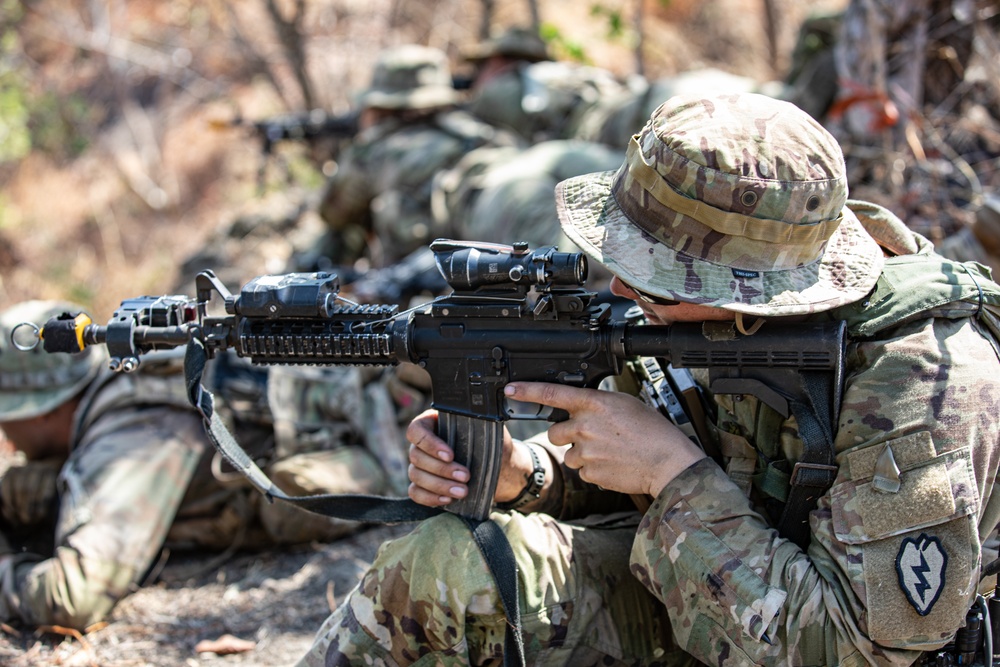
(533, 489)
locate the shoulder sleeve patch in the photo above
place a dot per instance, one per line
(920, 566)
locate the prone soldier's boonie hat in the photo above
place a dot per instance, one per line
(518, 43)
(734, 200)
(410, 77)
(35, 382)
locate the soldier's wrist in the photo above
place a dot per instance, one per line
(534, 481)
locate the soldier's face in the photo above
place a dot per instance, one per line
(42, 437)
(676, 312)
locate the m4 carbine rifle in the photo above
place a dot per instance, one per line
(514, 315)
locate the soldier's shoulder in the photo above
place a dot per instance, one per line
(464, 125)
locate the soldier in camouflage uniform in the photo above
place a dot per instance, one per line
(729, 208)
(377, 204)
(520, 88)
(115, 466)
(615, 118)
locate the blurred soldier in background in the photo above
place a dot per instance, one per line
(113, 467)
(616, 118)
(812, 77)
(505, 195)
(377, 204)
(519, 87)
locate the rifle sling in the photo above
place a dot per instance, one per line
(815, 471)
(489, 537)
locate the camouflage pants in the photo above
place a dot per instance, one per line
(344, 470)
(429, 599)
(239, 515)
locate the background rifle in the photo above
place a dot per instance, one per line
(310, 127)
(415, 275)
(513, 314)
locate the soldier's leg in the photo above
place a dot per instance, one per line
(345, 470)
(429, 597)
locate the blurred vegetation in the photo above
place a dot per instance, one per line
(15, 137)
(34, 117)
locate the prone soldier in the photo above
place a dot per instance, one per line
(114, 467)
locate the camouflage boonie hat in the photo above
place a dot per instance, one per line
(728, 200)
(35, 382)
(517, 43)
(410, 77)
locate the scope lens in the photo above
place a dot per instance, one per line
(568, 268)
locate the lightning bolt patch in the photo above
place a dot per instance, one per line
(921, 564)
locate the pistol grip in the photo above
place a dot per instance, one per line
(478, 445)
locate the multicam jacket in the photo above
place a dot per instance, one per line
(124, 480)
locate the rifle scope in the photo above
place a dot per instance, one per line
(473, 265)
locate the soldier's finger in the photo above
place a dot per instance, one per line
(570, 399)
(563, 433)
(434, 491)
(572, 458)
(435, 466)
(421, 434)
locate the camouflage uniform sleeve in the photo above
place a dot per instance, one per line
(120, 491)
(895, 553)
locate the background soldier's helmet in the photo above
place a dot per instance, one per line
(33, 383)
(515, 43)
(410, 77)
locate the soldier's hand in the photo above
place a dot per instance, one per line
(28, 492)
(616, 441)
(435, 478)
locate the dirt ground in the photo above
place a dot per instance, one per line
(274, 600)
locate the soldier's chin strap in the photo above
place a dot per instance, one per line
(363, 508)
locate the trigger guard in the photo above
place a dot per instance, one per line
(515, 409)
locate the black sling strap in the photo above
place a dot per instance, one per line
(815, 471)
(488, 535)
(503, 566)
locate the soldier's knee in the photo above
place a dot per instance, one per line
(424, 563)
